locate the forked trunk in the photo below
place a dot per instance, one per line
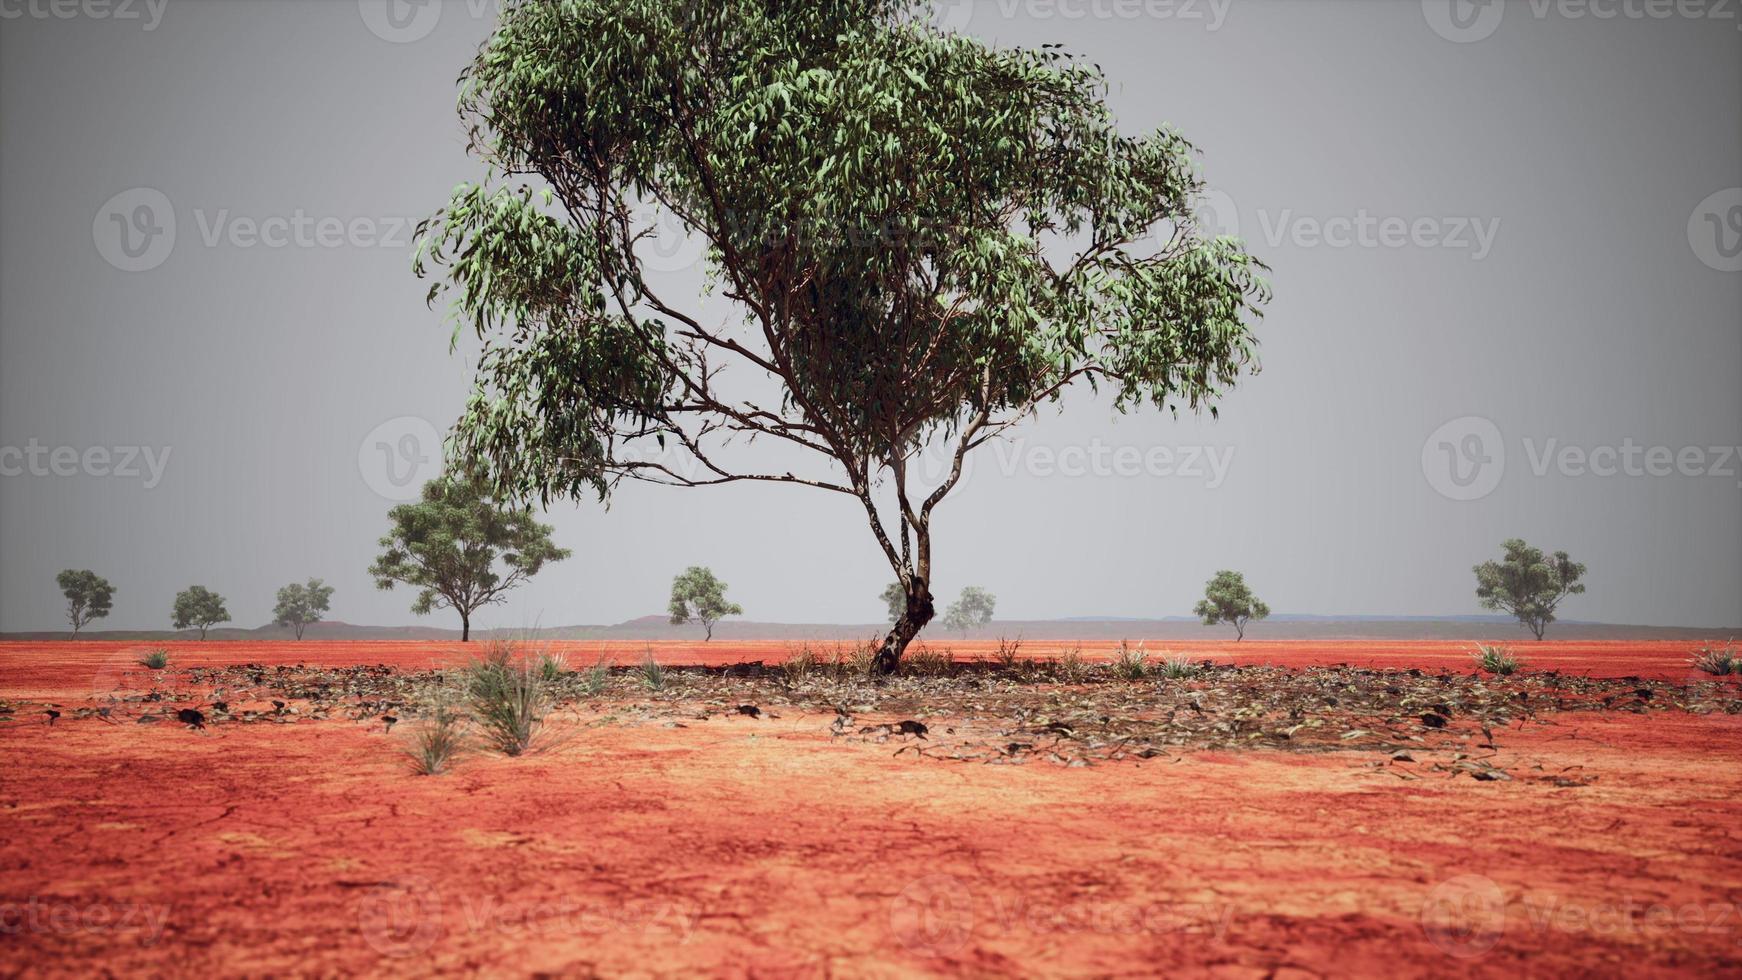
(918, 612)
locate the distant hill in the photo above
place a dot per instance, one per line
(1284, 626)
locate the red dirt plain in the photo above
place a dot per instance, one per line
(762, 847)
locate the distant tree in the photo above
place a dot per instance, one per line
(974, 608)
(1528, 584)
(698, 595)
(199, 607)
(895, 597)
(300, 605)
(89, 596)
(461, 549)
(1227, 599)
(916, 240)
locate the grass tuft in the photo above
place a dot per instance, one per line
(595, 679)
(155, 659)
(437, 742)
(509, 698)
(926, 662)
(1180, 668)
(1496, 660)
(652, 674)
(1131, 663)
(1716, 660)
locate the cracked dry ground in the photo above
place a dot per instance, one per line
(1253, 821)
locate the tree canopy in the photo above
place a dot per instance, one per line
(1228, 599)
(301, 604)
(920, 238)
(199, 607)
(973, 608)
(89, 596)
(696, 594)
(1528, 584)
(461, 549)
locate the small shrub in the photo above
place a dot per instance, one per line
(552, 666)
(1716, 660)
(155, 659)
(595, 679)
(1071, 666)
(436, 742)
(1496, 660)
(652, 674)
(509, 698)
(801, 665)
(1132, 663)
(1009, 652)
(1180, 668)
(926, 662)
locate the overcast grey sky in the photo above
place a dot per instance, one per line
(1509, 234)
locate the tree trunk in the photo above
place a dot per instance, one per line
(708, 630)
(918, 612)
(202, 633)
(465, 627)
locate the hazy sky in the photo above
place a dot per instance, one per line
(1503, 234)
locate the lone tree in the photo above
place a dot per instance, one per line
(918, 239)
(698, 595)
(1227, 599)
(461, 549)
(895, 598)
(199, 607)
(89, 596)
(300, 605)
(974, 608)
(1528, 584)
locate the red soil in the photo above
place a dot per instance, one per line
(742, 847)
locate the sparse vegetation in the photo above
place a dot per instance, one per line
(926, 662)
(1131, 663)
(509, 699)
(595, 679)
(437, 741)
(652, 674)
(155, 659)
(1180, 668)
(1071, 665)
(1009, 653)
(552, 666)
(1715, 660)
(1496, 659)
